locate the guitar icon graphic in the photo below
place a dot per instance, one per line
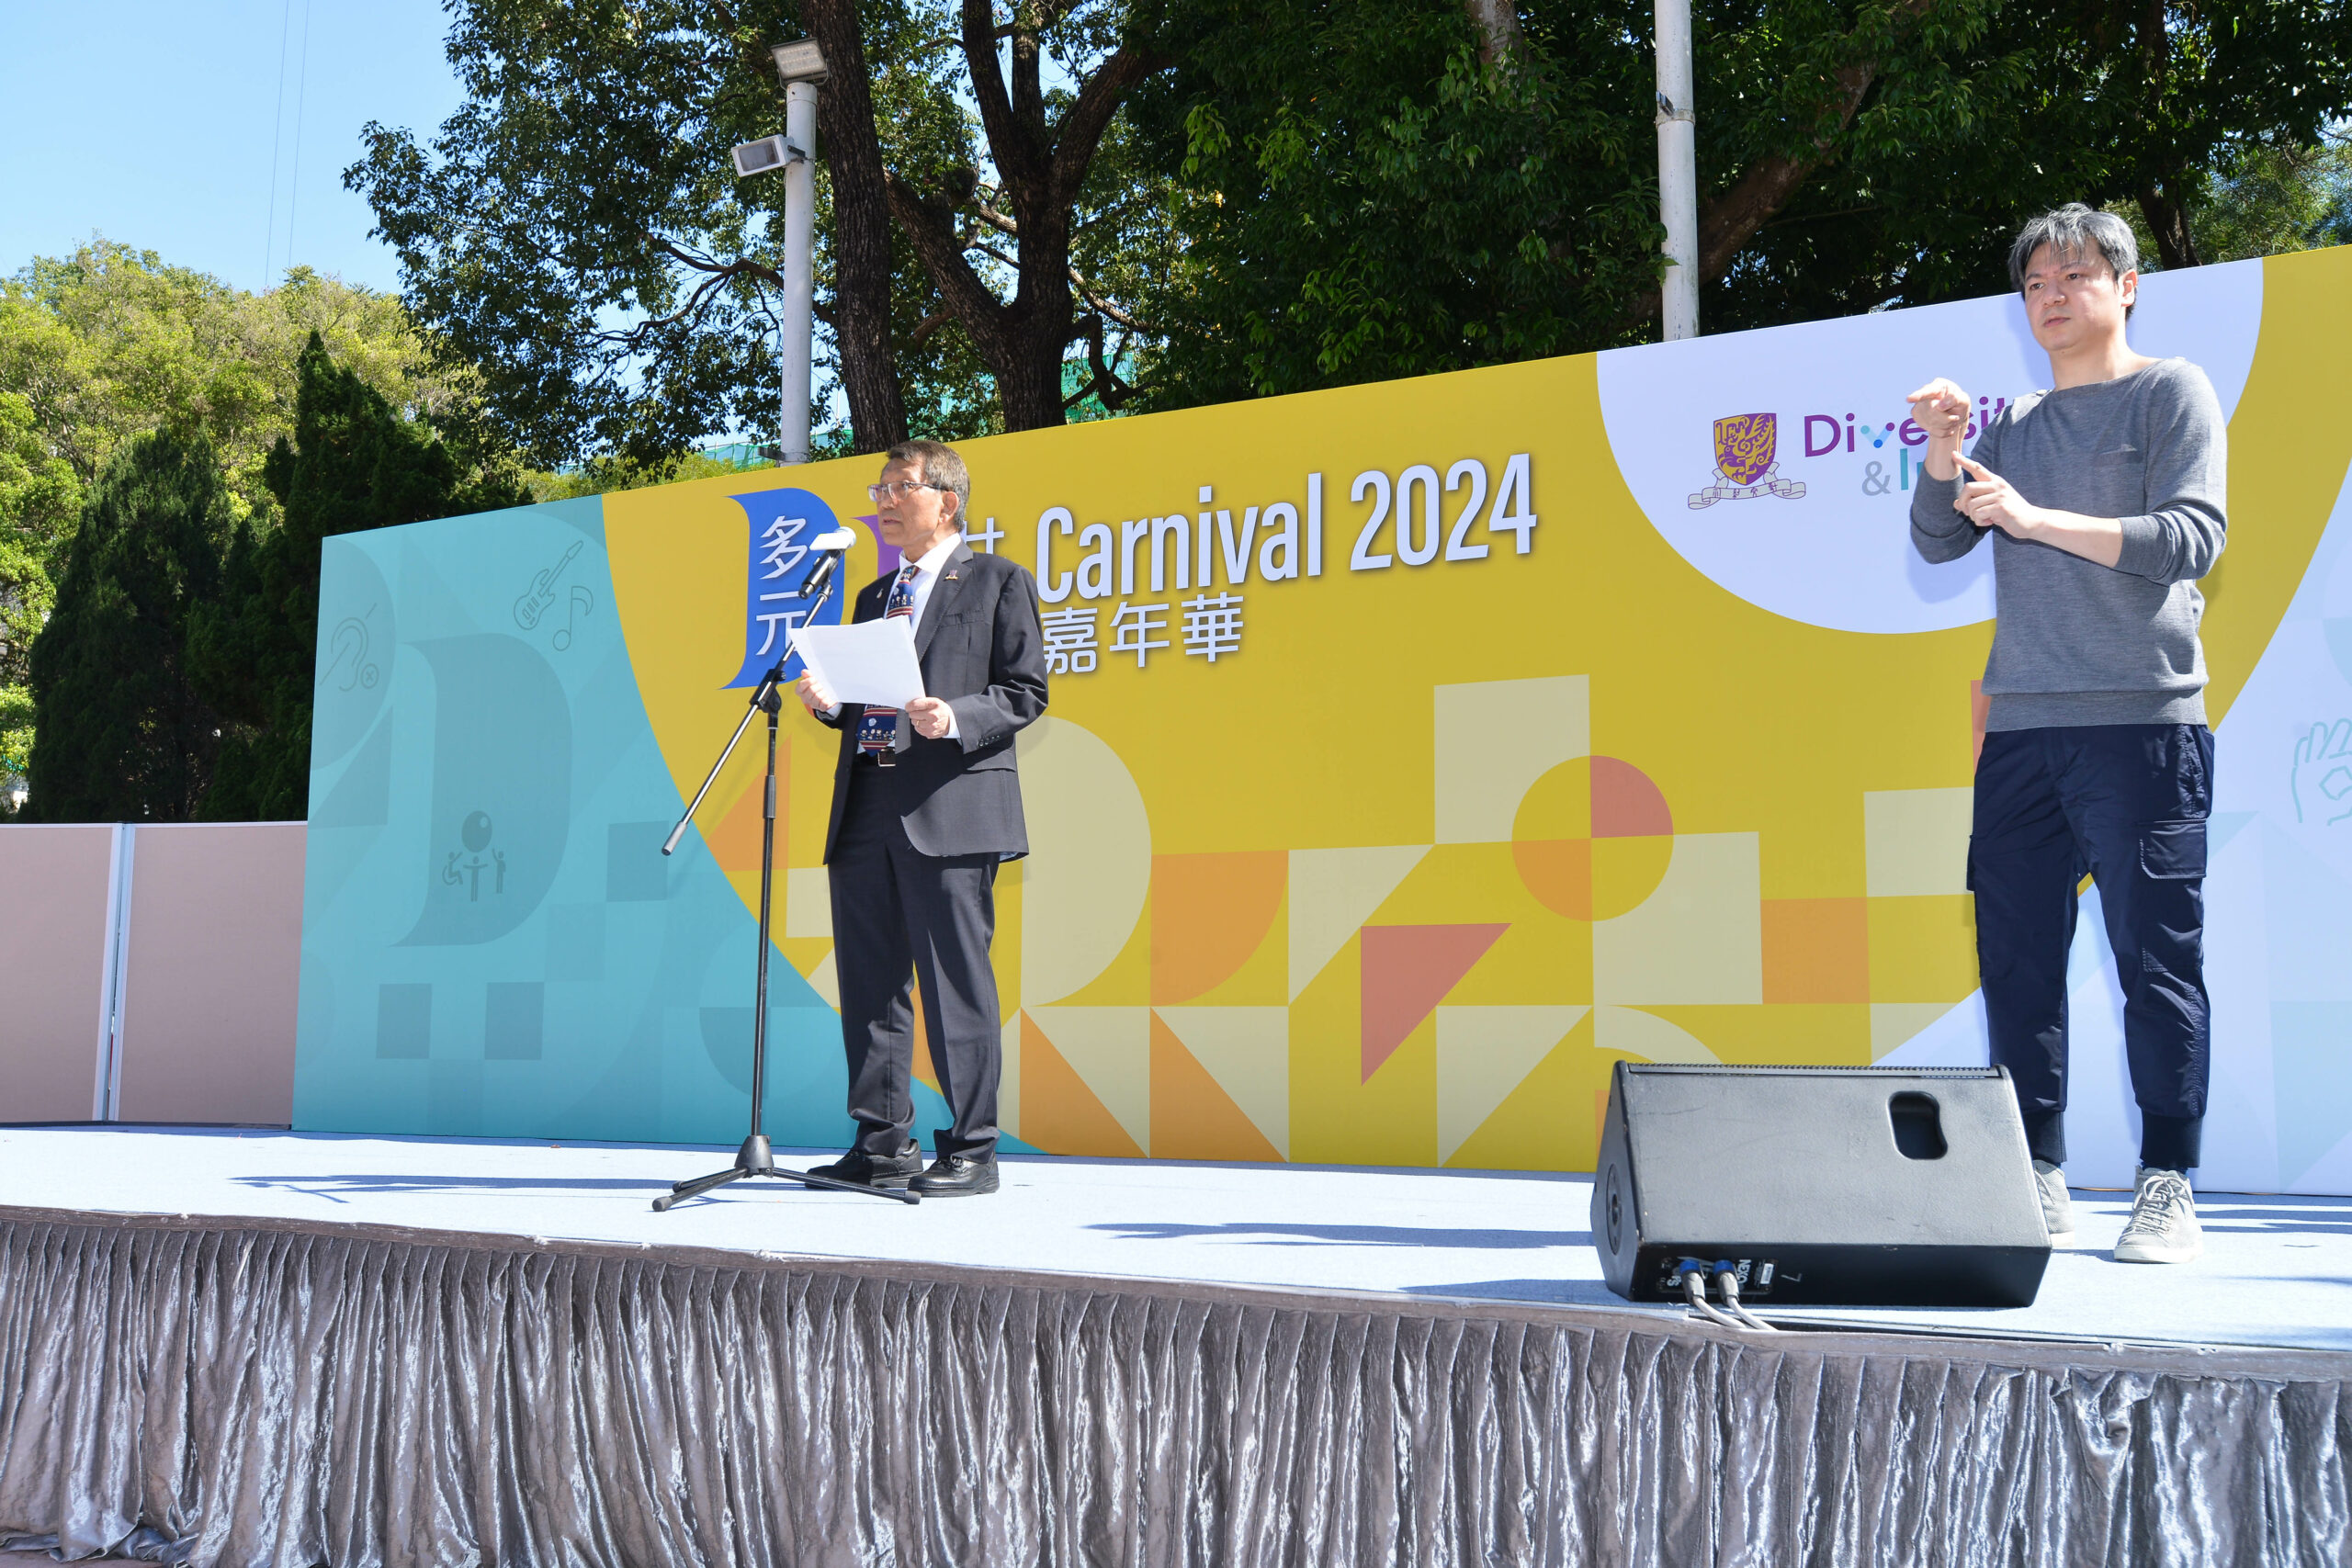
(536, 600)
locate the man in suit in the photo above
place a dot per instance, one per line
(926, 804)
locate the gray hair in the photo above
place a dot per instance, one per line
(2076, 232)
(942, 465)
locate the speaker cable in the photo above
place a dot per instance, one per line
(1728, 1282)
(1694, 1286)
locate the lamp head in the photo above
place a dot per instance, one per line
(763, 156)
(799, 60)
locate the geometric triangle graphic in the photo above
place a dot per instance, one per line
(1333, 892)
(1246, 1050)
(1407, 970)
(1483, 1054)
(1192, 1118)
(1551, 1121)
(1110, 1050)
(1058, 1112)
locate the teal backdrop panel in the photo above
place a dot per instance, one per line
(493, 942)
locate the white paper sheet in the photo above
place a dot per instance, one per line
(873, 662)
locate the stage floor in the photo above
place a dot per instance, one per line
(2277, 1271)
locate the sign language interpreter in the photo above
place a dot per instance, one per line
(2103, 497)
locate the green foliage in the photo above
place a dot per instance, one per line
(354, 462)
(608, 475)
(1364, 200)
(2018, 111)
(2274, 198)
(576, 230)
(40, 500)
(110, 343)
(1914, 196)
(2266, 200)
(123, 734)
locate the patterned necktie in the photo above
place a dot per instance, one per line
(879, 726)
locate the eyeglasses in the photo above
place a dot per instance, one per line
(894, 488)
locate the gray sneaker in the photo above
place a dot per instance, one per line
(2164, 1222)
(2057, 1209)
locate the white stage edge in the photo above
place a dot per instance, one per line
(2277, 1271)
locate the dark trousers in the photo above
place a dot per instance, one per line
(899, 915)
(2126, 803)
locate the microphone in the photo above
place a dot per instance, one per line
(831, 548)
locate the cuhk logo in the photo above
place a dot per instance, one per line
(1745, 446)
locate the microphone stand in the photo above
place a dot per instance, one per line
(755, 1158)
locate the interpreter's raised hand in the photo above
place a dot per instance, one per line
(815, 695)
(1991, 502)
(930, 716)
(1941, 409)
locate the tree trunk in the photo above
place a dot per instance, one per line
(1030, 383)
(2176, 245)
(1041, 168)
(861, 239)
(1497, 25)
(1768, 185)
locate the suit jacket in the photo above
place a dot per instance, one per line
(981, 649)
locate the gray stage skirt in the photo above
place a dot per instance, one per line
(259, 1393)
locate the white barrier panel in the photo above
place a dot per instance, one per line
(58, 889)
(151, 972)
(210, 974)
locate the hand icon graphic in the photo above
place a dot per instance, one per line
(2321, 774)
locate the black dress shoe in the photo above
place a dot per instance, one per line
(955, 1176)
(875, 1170)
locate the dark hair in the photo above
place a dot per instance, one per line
(2076, 232)
(942, 465)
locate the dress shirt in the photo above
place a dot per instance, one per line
(927, 572)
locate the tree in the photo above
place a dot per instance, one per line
(2105, 103)
(576, 230)
(40, 499)
(2265, 199)
(1366, 196)
(2184, 94)
(1041, 150)
(110, 343)
(105, 344)
(354, 462)
(1382, 186)
(122, 734)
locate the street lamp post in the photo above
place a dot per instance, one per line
(1677, 172)
(802, 66)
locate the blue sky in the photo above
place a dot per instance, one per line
(154, 124)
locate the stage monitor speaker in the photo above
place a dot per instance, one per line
(1819, 1186)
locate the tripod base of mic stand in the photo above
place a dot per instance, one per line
(755, 1158)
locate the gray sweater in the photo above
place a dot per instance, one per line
(2077, 642)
